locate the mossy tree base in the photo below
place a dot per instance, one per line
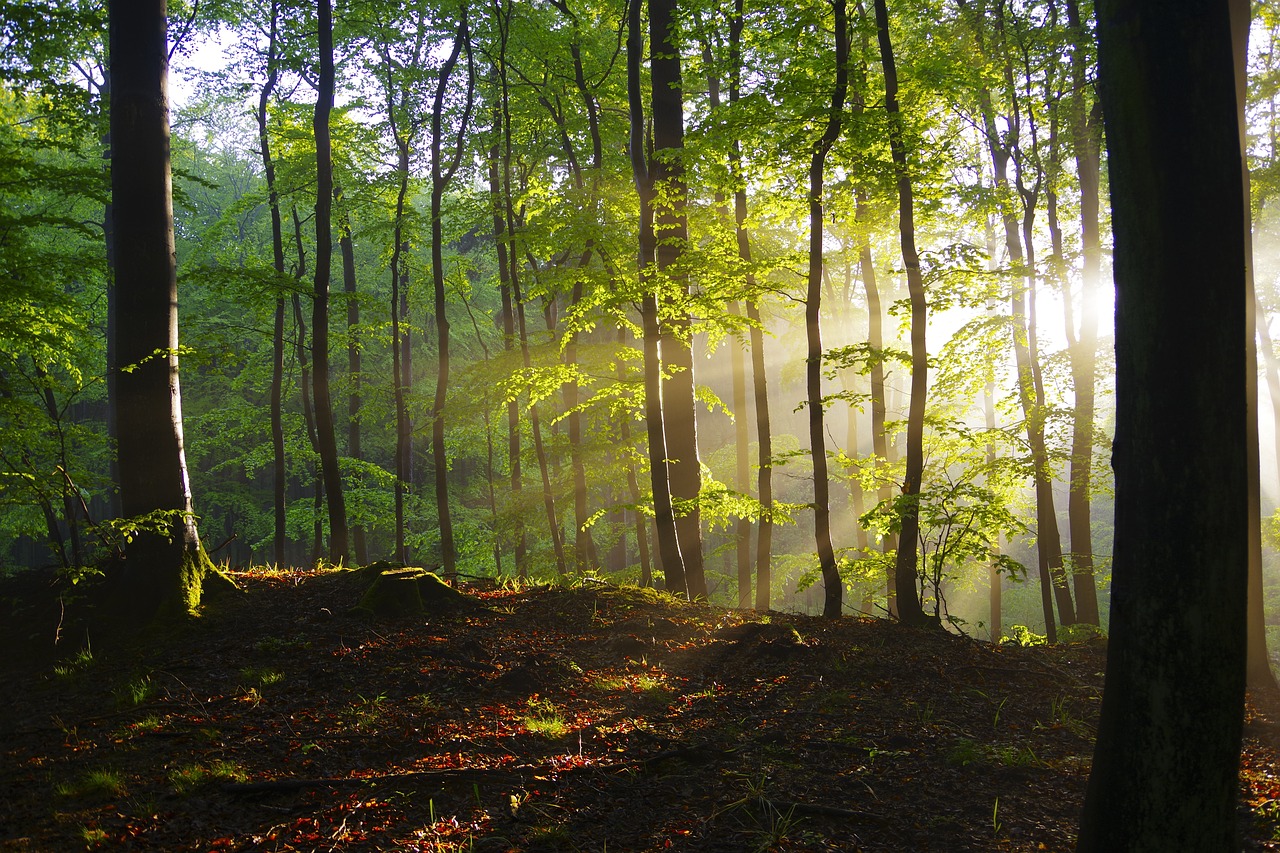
(408, 591)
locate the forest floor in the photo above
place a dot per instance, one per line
(593, 718)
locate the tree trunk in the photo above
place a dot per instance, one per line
(760, 386)
(163, 570)
(832, 586)
(875, 343)
(348, 250)
(1083, 346)
(1166, 764)
(502, 241)
(1259, 676)
(671, 232)
(278, 470)
(905, 571)
(326, 443)
(401, 352)
(440, 177)
(737, 362)
(669, 553)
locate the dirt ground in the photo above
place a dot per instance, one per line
(591, 718)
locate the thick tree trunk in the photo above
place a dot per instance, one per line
(671, 232)
(1166, 764)
(832, 586)
(163, 570)
(905, 571)
(326, 439)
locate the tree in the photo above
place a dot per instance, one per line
(668, 180)
(832, 585)
(1167, 756)
(669, 545)
(905, 571)
(165, 562)
(441, 174)
(326, 438)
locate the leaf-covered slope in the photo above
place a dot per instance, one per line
(546, 719)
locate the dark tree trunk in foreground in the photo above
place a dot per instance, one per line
(326, 438)
(163, 570)
(832, 586)
(1167, 757)
(905, 574)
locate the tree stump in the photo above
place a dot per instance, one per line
(409, 591)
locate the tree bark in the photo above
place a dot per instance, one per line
(669, 551)
(440, 176)
(671, 232)
(347, 247)
(833, 587)
(326, 439)
(1083, 345)
(163, 568)
(278, 470)
(905, 570)
(1166, 764)
(759, 380)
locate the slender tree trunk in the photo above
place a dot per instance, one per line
(1167, 761)
(354, 450)
(1084, 345)
(905, 571)
(308, 416)
(1259, 676)
(513, 276)
(1031, 392)
(669, 551)
(584, 545)
(633, 485)
(278, 470)
(326, 439)
(760, 386)
(499, 167)
(401, 352)
(833, 587)
(113, 359)
(737, 361)
(875, 342)
(440, 176)
(162, 573)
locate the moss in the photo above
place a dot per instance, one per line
(408, 591)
